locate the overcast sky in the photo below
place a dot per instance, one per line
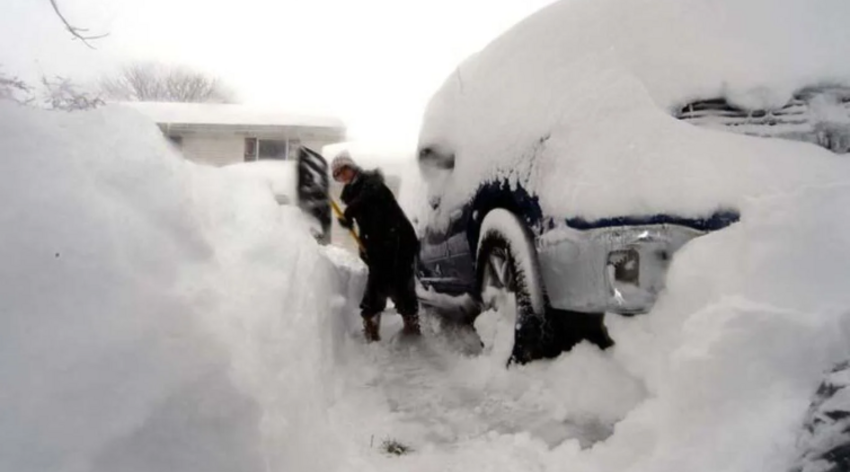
(374, 63)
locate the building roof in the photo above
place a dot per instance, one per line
(218, 114)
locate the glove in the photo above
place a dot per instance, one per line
(345, 222)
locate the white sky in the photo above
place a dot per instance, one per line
(373, 63)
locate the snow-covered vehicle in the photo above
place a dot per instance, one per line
(561, 163)
(303, 183)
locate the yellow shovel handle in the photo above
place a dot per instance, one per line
(339, 214)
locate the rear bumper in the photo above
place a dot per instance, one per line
(614, 269)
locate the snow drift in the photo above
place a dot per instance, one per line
(155, 314)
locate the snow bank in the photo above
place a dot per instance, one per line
(155, 314)
(733, 353)
(575, 103)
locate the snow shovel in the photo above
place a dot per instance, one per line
(351, 231)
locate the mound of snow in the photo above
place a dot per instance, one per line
(155, 314)
(735, 349)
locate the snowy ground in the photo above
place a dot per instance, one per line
(440, 393)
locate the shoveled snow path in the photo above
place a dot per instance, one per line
(441, 390)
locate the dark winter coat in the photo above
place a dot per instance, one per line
(384, 229)
(390, 243)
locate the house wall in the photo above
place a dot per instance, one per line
(216, 150)
(222, 149)
(315, 145)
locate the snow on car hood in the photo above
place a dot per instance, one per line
(575, 104)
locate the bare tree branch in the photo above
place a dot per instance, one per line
(75, 31)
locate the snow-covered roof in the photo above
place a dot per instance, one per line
(228, 114)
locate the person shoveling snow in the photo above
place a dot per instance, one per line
(388, 245)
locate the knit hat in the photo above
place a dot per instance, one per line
(342, 160)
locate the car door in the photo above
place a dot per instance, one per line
(313, 184)
(445, 261)
(433, 250)
(459, 266)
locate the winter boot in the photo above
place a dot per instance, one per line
(411, 325)
(371, 328)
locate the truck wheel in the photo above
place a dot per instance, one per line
(506, 261)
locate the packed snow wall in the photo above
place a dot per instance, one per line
(155, 314)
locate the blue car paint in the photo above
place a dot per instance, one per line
(454, 273)
(517, 200)
(459, 263)
(718, 220)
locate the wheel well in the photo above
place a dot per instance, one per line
(514, 199)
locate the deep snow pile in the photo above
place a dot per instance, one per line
(733, 353)
(575, 103)
(154, 314)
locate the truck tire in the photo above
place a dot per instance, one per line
(506, 260)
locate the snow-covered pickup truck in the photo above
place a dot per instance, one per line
(563, 165)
